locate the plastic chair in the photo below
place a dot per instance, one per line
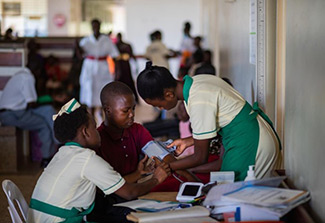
(15, 196)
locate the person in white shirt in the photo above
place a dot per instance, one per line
(65, 192)
(187, 47)
(157, 51)
(18, 108)
(95, 70)
(187, 43)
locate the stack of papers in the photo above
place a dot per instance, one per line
(257, 200)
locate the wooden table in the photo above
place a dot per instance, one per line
(160, 196)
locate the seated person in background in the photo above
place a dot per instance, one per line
(66, 189)
(206, 66)
(9, 34)
(18, 108)
(197, 60)
(53, 70)
(122, 139)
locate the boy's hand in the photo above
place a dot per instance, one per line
(162, 170)
(144, 168)
(181, 145)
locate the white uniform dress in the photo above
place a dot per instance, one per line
(70, 181)
(95, 73)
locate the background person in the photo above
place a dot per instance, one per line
(95, 71)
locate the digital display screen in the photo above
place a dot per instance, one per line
(190, 190)
(154, 149)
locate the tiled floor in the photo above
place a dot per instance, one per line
(29, 172)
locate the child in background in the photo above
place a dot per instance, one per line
(66, 189)
(122, 139)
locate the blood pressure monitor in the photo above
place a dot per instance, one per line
(188, 191)
(157, 149)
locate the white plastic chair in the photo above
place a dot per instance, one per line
(15, 196)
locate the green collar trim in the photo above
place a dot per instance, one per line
(71, 106)
(187, 86)
(73, 144)
(203, 133)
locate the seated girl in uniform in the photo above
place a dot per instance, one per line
(66, 189)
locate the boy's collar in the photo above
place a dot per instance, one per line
(114, 135)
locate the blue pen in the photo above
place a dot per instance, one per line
(237, 214)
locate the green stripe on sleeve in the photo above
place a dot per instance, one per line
(113, 185)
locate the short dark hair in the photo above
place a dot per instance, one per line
(67, 125)
(157, 33)
(113, 89)
(95, 21)
(205, 69)
(187, 25)
(152, 81)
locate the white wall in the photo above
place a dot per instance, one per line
(145, 16)
(233, 43)
(58, 7)
(305, 103)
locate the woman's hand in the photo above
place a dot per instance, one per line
(181, 144)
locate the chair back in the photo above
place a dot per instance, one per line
(15, 199)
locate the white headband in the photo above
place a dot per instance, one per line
(69, 107)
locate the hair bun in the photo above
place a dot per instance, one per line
(149, 65)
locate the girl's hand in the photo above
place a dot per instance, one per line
(144, 168)
(181, 145)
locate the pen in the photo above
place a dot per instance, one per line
(202, 197)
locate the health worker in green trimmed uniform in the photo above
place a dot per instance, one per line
(214, 108)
